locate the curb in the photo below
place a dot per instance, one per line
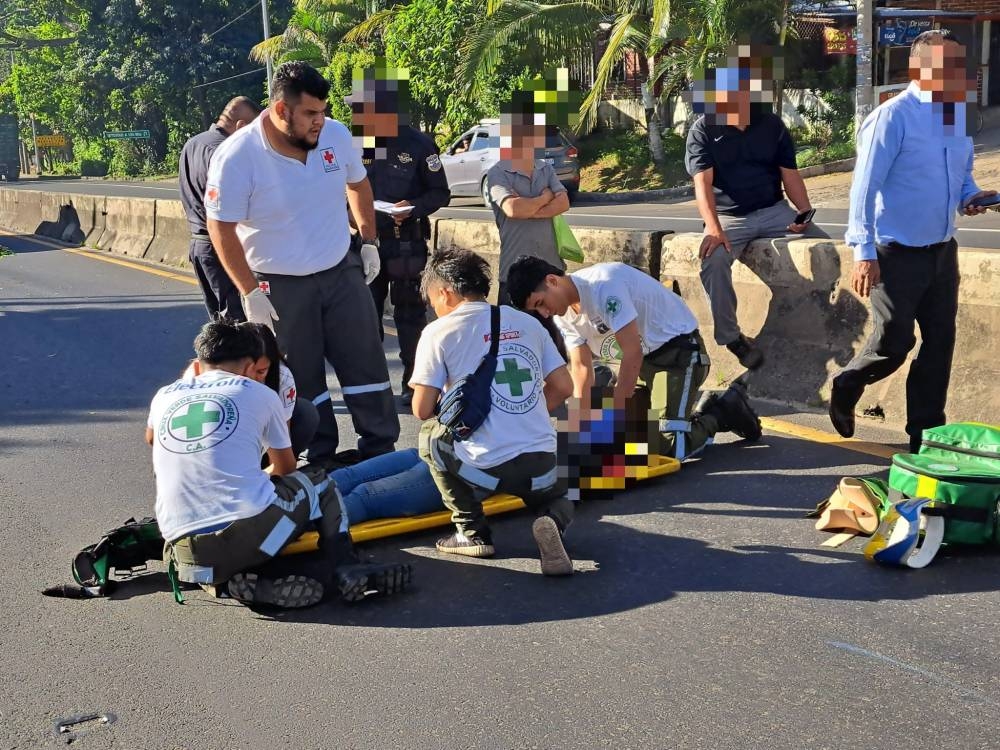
(830, 167)
(683, 191)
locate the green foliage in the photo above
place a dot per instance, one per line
(129, 66)
(616, 161)
(832, 122)
(5, 251)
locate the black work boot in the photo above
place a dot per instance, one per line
(732, 410)
(359, 581)
(746, 352)
(843, 399)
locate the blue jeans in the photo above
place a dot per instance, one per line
(387, 486)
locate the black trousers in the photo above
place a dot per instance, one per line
(399, 281)
(919, 285)
(221, 295)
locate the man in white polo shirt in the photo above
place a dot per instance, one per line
(629, 320)
(277, 216)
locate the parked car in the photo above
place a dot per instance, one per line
(469, 158)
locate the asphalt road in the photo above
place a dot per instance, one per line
(676, 216)
(703, 613)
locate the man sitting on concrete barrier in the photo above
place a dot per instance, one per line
(220, 294)
(624, 316)
(223, 517)
(514, 449)
(740, 154)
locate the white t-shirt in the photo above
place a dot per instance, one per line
(208, 435)
(612, 295)
(453, 346)
(286, 386)
(292, 217)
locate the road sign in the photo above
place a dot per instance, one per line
(51, 141)
(126, 135)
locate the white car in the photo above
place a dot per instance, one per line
(470, 157)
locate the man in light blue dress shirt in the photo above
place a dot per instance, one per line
(913, 175)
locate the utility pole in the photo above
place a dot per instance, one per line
(267, 35)
(34, 141)
(864, 97)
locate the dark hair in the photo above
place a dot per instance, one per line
(527, 275)
(928, 38)
(273, 378)
(223, 340)
(464, 271)
(293, 79)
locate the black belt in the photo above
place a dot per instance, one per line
(687, 341)
(932, 246)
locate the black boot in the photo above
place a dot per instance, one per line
(356, 580)
(732, 410)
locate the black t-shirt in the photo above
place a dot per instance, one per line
(747, 163)
(412, 171)
(193, 174)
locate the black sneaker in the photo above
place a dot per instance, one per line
(358, 582)
(738, 415)
(289, 592)
(555, 560)
(746, 352)
(460, 544)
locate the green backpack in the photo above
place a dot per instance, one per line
(958, 467)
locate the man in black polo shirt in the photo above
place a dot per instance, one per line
(740, 155)
(221, 296)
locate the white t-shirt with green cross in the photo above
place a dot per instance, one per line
(209, 432)
(452, 347)
(612, 295)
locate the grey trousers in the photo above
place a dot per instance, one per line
(330, 317)
(717, 268)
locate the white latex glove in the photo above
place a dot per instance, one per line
(258, 308)
(370, 262)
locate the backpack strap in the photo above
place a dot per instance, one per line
(494, 330)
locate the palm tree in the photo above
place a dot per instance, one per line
(318, 26)
(539, 32)
(670, 41)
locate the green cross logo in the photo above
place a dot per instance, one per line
(513, 377)
(613, 305)
(195, 420)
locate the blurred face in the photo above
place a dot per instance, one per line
(552, 299)
(259, 369)
(302, 122)
(940, 69)
(520, 140)
(374, 122)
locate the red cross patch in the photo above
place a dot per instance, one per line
(264, 286)
(329, 160)
(212, 197)
(290, 395)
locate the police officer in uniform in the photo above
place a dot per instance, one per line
(221, 295)
(404, 169)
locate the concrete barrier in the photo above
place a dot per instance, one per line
(795, 299)
(639, 248)
(21, 210)
(171, 235)
(129, 226)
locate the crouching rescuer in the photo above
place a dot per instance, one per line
(225, 519)
(492, 374)
(616, 314)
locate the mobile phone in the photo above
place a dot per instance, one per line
(989, 200)
(805, 217)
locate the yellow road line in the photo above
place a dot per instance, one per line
(828, 438)
(127, 264)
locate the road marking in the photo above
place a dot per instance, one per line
(819, 436)
(926, 673)
(135, 266)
